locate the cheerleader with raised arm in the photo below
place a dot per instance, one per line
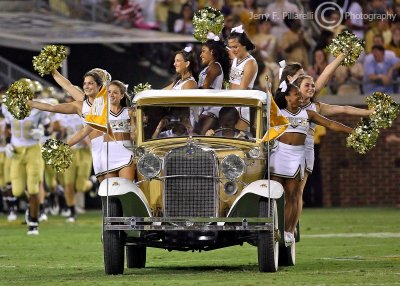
(92, 83)
(117, 160)
(288, 158)
(307, 90)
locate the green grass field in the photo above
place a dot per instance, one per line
(338, 247)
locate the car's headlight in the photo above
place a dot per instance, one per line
(254, 153)
(233, 167)
(149, 166)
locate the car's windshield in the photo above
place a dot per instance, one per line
(223, 121)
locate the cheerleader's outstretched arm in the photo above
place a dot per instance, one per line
(330, 124)
(72, 90)
(327, 73)
(330, 109)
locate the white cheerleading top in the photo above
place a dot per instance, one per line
(237, 68)
(86, 106)
(298, 122)
(120, 122)
(313, 107)
(218, 81)
(178, 85)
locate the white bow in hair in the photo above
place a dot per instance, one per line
(282, 65)
(238, 29)
(212, 36)
(283, 86)
(188, 49)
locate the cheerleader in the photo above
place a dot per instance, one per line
(244, 70)
(244, 67)
(116, 159)
(185, 67)
(308, 90)
(92, 83)
(214, 56)
(215, 59)
(288, 159)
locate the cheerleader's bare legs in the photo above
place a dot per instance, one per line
(292, 198)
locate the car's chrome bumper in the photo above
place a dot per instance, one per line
(188, 223)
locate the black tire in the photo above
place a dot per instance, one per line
(135, 256)
(113, 240)
(268, 243)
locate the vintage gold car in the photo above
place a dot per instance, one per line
(202, 182)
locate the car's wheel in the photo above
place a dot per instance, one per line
(135, 256)
(113, 240)
(268, 242)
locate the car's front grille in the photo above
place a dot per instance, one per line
(190, 194)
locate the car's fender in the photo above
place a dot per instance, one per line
(246, 204)
(133, 200)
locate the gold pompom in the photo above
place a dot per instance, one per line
(57, 154)
(16, 97)
(141, 87)
(348, 44)
(385, 108)
(207, 20)
(364, 136)
(49, 59)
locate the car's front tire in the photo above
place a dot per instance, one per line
(113, 240)
(268, 243)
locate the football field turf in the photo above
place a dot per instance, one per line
(356, 246)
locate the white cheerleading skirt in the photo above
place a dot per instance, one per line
(97, 145)
(288, 161)
(118, 156)
(309, 143)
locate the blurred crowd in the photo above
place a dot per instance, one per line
(283, 29)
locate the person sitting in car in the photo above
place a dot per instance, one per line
(228, 117)
(174, 125)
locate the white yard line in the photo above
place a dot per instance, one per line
(365, 234)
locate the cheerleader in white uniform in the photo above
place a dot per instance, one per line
(288, 159)
(185, 67)
(244, 69)
(214, 56)
(92, 83)
(116, 159)
(307, 89)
